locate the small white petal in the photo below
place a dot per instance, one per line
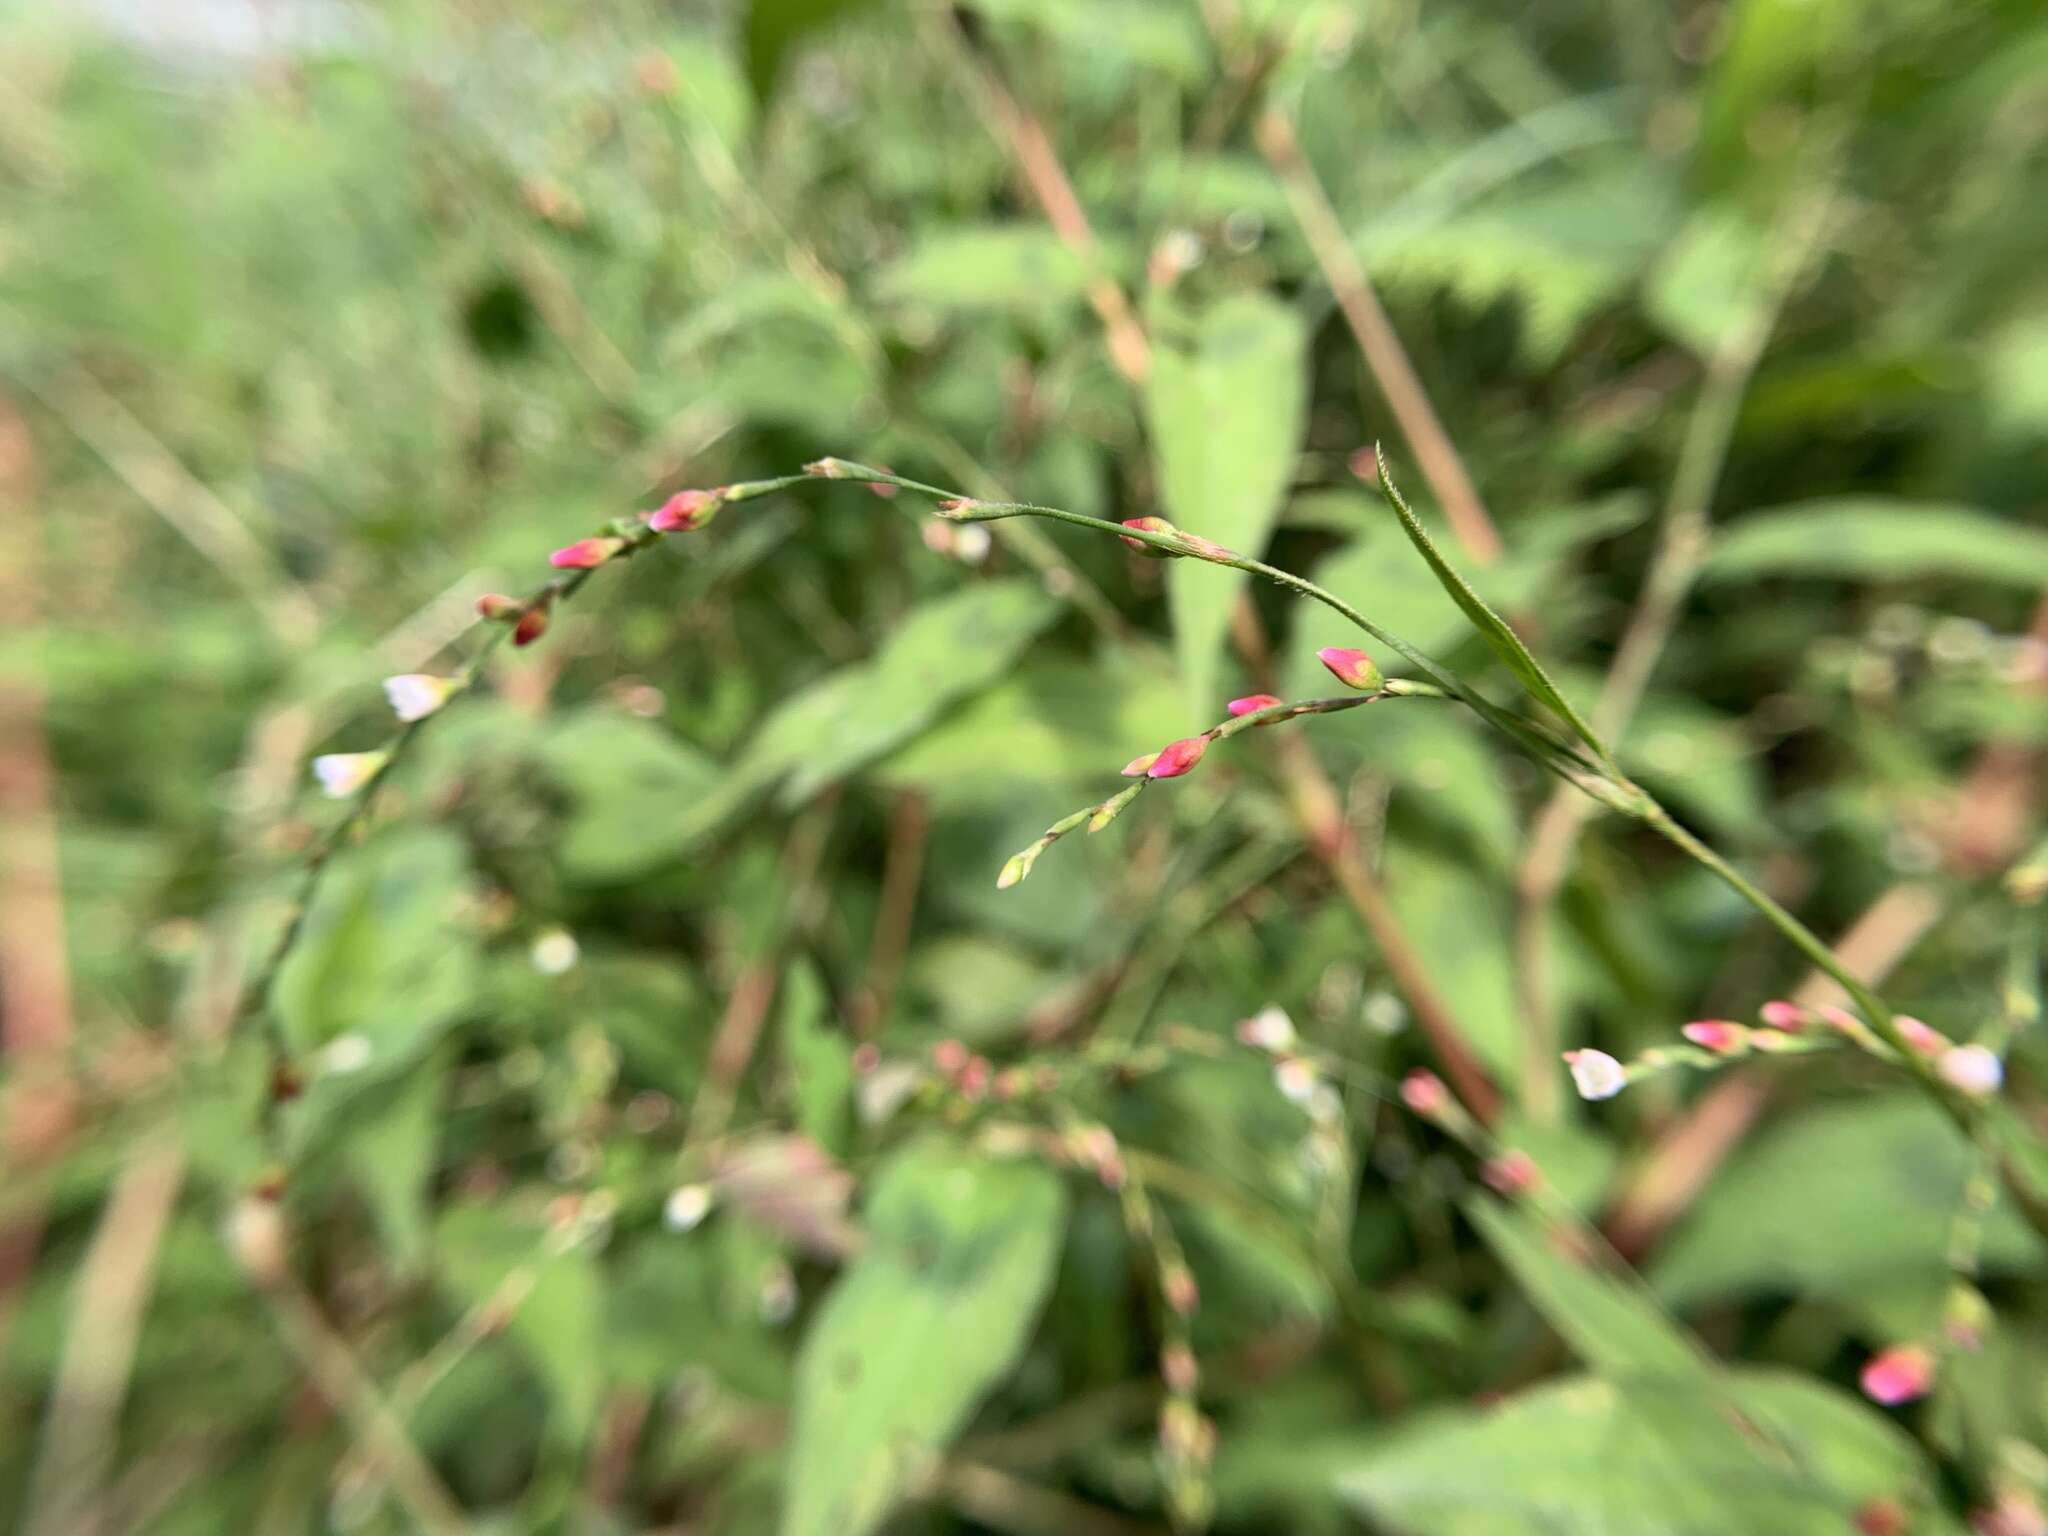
(345, 1053)
(1296, 1079)
(555, 952)
(1975, 1069)
(1596, 1074)
(971, 543)
(1268, 1030)
(416, 695)
(341, 774)
(688, 1206)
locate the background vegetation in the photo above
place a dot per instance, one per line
(662, 1121)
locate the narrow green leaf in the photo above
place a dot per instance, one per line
(1492, 628)
(1604, 1312)
(1867, 538)
(934, 1312)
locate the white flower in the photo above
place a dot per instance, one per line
(686, 1207)
(1596, 1074)
(345, 1053)
(416, 695)
(971, 543)
(341, 774)
(555, 952)
(1296, 1079)
(1268, 1030)
(1975, 1069)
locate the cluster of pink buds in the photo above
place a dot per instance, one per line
(529, 620)
(967, 1071)
(1094, 1147)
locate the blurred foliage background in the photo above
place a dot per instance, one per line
(637, 1182)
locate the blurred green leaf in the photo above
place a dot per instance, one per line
(1588, 1455)
(385, 952)
(1225, 410)
(1596, 1304)
(1831, 1202)
(1707, 285)
(947, 650)
(632, 788)
(918, 1329)
(1858, 538)
(558, 1321)
(775, 27)
(1019, 266)
(389, 1141)
(820, 1059)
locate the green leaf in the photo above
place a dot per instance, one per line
(384, 953)
(1587, 1455)
(630, 784)
(1867, 538)
(820, 1059)
(1601, 1309)
(558, 1326)
(1018, 266)
(1832, 1203)
(1458, 920)
(945, 651)
(1226, 413)
(1504, 642)
(774, 27)
(937, 1309)
(390, 1133)
(1709, 283)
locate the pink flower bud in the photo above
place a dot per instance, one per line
(1974, 1069)
(1514, 1172)
(531, 626)
(1352, 668)
(1138, 767)
(866, 1057)
(1177, 757)
(1881, 1517)
(1779, 1014)
(1924, 1038)
(1424, 1093)
(973, 1079)
(1596, 1074)
(1151, 525)
(1839, 1019)
(1177, 1368)
(684, 512)
(1177, 1286)
(498, 608)
(1252, 703)
(1899, 1375)
(585, 554)
(1717, 1035)
(950, 1057)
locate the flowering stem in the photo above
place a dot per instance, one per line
(1602, 781)
(557, 589)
